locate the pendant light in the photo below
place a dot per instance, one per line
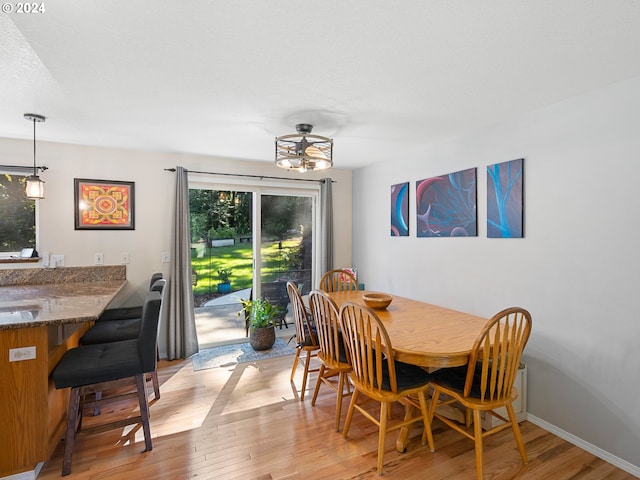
(35, 186)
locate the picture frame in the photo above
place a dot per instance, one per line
(104, 204)
(400, 210)
(505, 200)
(446, 205)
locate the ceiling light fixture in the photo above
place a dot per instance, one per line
(35, 186)
(303, 151)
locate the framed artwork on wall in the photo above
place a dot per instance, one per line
(505, 200)
(446, 205)
(103, 204)
(400, 210)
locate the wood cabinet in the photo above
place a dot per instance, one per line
(32, 418)
(43, 314)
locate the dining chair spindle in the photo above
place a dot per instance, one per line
(338, 281)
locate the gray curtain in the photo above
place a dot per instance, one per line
(182, 339)
(326, 225)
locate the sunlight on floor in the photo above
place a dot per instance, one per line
(220, 391)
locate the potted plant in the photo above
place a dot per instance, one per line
(262, 316)
(224, 280)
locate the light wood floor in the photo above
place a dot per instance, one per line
(247, 423)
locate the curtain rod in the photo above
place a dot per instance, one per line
(252, 176)
(21, 168)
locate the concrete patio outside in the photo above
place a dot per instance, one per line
(221, 322)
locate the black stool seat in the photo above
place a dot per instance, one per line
(101, 362)
(112, 331)
(122, 313)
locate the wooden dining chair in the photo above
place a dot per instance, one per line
(486, 383)
(338, 281)
(306, 340)
(380, 377)
(332, 354)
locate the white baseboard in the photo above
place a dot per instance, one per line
(28, 475)
(597, 451)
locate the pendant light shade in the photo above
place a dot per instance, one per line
(303, 151)
(35, 186)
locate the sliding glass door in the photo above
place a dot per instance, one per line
(250, 239)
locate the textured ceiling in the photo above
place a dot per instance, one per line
(223, 78)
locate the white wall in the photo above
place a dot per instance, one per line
(577, 270)
(154, 199)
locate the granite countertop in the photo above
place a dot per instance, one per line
(23, 306)
(42, 297)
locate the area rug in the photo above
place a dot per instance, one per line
(229, 355)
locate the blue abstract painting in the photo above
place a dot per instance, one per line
(446, 205)
(400, 210)
(504, 199)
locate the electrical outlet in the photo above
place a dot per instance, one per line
(23, 353)
(45, 259)
(166, 257)
(56, 261)
(98, 259)
(124, 258)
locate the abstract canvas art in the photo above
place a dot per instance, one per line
(400, 210)
(103, 205)
(446, 205)
(504, 199)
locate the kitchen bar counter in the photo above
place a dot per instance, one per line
(24, 306)
(43, 313)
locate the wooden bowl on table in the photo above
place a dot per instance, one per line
(378, 301)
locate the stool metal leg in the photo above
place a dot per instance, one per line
(72, 417)
(144, 411)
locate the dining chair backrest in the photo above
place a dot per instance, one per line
(304, 332)
(327, 322)
(496, 353)
(369, 349)
(338, 281)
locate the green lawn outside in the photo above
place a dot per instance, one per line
(239, 259)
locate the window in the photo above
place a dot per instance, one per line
(17, 215)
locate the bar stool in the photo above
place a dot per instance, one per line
(92, 364)
(120, 324)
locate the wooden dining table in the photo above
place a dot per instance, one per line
(423, 334)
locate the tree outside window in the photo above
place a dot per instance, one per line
(17, 214)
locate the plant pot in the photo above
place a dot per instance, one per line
(262, 338)
(224, 287)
